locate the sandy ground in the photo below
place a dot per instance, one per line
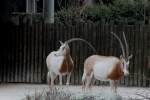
(19, 91)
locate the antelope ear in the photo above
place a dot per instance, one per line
(130, 56)
(61, 42)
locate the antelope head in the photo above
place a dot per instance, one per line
(125, 57)
(63, 49)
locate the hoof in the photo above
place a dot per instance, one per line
(67, 84)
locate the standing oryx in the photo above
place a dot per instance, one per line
(60, 62)
(107, 68)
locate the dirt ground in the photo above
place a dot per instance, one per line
(19, 91)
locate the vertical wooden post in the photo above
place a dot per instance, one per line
(149, 62)
(49, 11)
(34, 6)
(43, 9)
(27, 6)
(31, 6)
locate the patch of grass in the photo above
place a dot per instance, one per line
(54, 93)
(103, 95)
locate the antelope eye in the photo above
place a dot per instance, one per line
(123, 64)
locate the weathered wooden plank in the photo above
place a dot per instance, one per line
(36, 32)
(44, 74)
(130, 49)
(131, 67)
(28, 54)
(40, 52)
(32, 52)
(20, 55)
(25, 54)
(138, 58)
(137, 53)
(8, 59)
(142, 55)
(127, 32)
(11, 56)
(148, 54)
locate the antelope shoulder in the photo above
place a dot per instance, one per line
(54, 62)
(104, 67)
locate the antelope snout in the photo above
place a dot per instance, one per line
(126, 72)
(58, 53)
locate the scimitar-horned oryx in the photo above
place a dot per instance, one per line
(107, 68)
(60, 63)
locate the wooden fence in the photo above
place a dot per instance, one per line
(24, 50)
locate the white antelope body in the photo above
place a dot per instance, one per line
(60, 62)
(106, 68)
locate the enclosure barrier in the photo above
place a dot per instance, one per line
(25, 47)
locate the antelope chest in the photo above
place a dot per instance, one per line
(101, 70)
(56, 63)
(60, 65)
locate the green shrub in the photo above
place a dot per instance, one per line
(68, 16)
(120, 11)
(129, 11)
(97, 13)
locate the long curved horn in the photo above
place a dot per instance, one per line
(119, 42)
(61, 42)
(127, 46)
(79, 39)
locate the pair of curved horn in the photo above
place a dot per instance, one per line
(79, 39)
(121, 44)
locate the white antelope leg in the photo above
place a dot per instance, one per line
(48, 78)
(116, 84)
(53, 77)
(60, 79)
(83, 80)
(68, 78)
(113, 85)
(88, 80)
